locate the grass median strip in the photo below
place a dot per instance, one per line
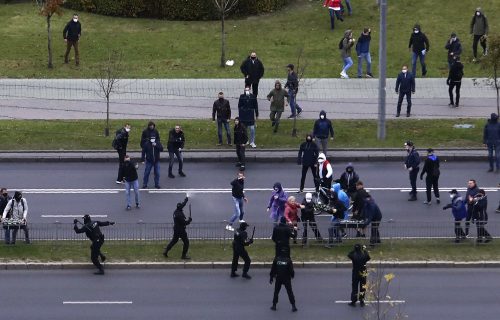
(261, 251)
(202, 134)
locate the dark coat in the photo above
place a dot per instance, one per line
(222, 109)
(248, 109)
(412, 159)
(282, 234)
(121, 138)
(282, 269)
(359, 260)
(348, 181)
(455, 47)
(292, 82)
(491, 133)
(431, 167)
(240, 134)
(308, 154)
(479, 210)
(323, 127)
(92, 230)
(175, 140)
(418, 42)
(307, 213)
(180, 221)
(130, 171)
(405, 83)
(456, 72)
(72, 31)
(240, 240)
(359, 203)
(153, 152)
(372, 212)
(253, 69)
(147, 134)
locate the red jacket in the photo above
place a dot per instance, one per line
(291, 212)
(332, 4)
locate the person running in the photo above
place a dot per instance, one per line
(238, 193)
(180, 223)
(431, 167)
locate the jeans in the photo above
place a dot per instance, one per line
(477, 38)
(456, 85)
(333, 14)
(349, 8)
(252, 133)
(132, 185)
(238, 210)
(496, 158)
(347, 64)
(368, 58)
(220, 123)
(400, 101)
(294, 107)
(414, 57)
(147, 171)
(171, 154)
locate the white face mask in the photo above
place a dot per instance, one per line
(75, 20)
(451, 196)
(322, 116)
(478, 14)
(416, 31)
(247, 92)
(127, 129)
(404, 71)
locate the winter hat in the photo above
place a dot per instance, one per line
(321, 157)
(243, 225)
(179, 205)
(291, 66)
(309, 197)
(86, 218)
(493, 116)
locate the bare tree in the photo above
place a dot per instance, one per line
(107, 80)
(224, 7)
(492, 64)
(47, 9)
(300, 70)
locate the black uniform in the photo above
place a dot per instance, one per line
(480, 216)
(359, 258)
(253, 70)
(121, 138)
(431, 167)
(308, 158)
(413, 161)
(282, 270)
(180, 223)
(308, 219)
(93, 232)
(239, 243)
(281, 236)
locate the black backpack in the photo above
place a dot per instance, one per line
(341, 44)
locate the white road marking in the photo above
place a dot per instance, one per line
(369, 302)
(97, 302)
(70, 191)
(72, 216)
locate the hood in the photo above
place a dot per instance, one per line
(347, 33)
(478, 9)
(277, 185)
(151, 123)
(336, 187)
(322, 113)
(417, 26)
(349, 166)
(321, 157)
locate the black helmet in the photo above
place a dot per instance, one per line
(179, 205)
(86, 218)
(357, 247)
(243, 225)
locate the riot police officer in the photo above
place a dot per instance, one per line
(239, 243)
(281, 236)
(180, 223)
(282, 270)
(359, 257)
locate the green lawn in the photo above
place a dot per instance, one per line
(202, 134)
(170, 49)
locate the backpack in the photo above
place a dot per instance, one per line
(11, 210)
(115, 144)
(341, 44)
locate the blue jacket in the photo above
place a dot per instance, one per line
(323, 127)
(153, 153)
(412, 159)
(405, 83)
(341, 194)
(457, 206)
(491, 134)
(248, 109)
(363, 45)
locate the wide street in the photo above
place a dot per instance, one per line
(445, 294)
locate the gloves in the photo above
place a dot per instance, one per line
(186, 199)
(112, 223)
(75, 221)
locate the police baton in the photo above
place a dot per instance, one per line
(190, 210)
(253, 232)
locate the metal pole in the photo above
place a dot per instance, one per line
(382, 70)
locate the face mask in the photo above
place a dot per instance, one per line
(75, 20)
(322, 116)
(451, 196)
(308, 139)
(5, 194)
(276, 189)
(349, 170)
(127, 160)
(247, 92)
(241, 178)
(404, 71)
(416, 31)
(152, 140)
(18, 198)
(221, 98)
(453, 39)
(127, 129)
(478, 14)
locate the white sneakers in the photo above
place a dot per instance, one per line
(229, 228)
(344, 75)
(253, 145)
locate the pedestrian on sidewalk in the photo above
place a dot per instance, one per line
(479, 30)
(455, 80)
(323, 129)
(419, 47)
(480, 216)
(308, 158)
(308, 219)
(277, 202)
(472, 191)
(292, 216)
(431, 167)
(16, 209)
(253, 70)
(359, 257)
(175, 145)
(292, 84)
(131, 181)
(279, 98)
(71, 34)
(120, 145)
(345, 46)
(180, 223)
(348, 180)
(153, 150)
(222, 109)
(240, 141)
(491, 139)
(405, 86)
(241, 241)
(239, 199)
(459, 211)
(4, 200)
(147, 134)
(411, 164)
(281, 236)
(363, 51)
(248, 112)
(334, 11)
(282, 270)
(454, 48)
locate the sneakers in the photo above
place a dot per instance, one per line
(352, 304)
(427, 203)
(157, 187)
(451, 105)
(253, 145)
(344, 75)
(186, 257)
(294, 308)
(137, 206)
(474, 60)
(171, 176)
(291, 116)
(397, 115)
(182, 174)
(229, 228)
(273, 307)
(369, 75)
(241, 220)
(497, 210)
(438, 201)
(219, 144)
(129, 208)
(118, 182)
(100, 272)
(412, 198)
(299, 112)
(246, 276)
(407, 114)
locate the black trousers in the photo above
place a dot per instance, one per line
(121, 160)
(179, 234)
(374, 234)
(279, 246)
(456, 85)
(358, 285)
(288, 286)
(413, 180)
(304, 173)
(311, 223)
(171, 160)
(481, 230)
(237, 253)
(468, 218)
(400, 101)
(459, 232)
(431, 182)
(95, 253)
(254, 84)
(240, 153)
(477, 38)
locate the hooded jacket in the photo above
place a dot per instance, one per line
(339, 206)
(343, 197)
(325, 169)
(277, 201)
(148, 133)
(491, 132)
(418, 41)
(323, 127)
(92, 230)
(431, 167)
(348, 179)
(479, 24)
(153, 152)
(175, 140)
(371, 211)
(307, 213)
(121, 136)
(240, 134)
(130, 171)
(456, 72)
(345, 52)
(180, 221)
(278, 99)
(455, 47)
(359, 259)
(358, 204)
(308, 153)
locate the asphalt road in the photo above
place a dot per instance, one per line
(453, 294)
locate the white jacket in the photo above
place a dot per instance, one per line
(17, 211)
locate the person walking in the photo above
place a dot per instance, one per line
(472, 191)
(323, 129)
(292, 84)
(277, 97)
(480, 216)
(153, 150)
(455, 80)
(277, 202)
(363, 51)
(17, 210)
(282, 270)
(93, 231)
(238, 193)
(359, 257)
(479, 30)
(120, 145)
(71, 34)
(459, 211)
(308, 219)
(411, 164)
(131, 181)
(147, 134)
(373, 217)
(241, 241)
(240, 141)
(345, 52)
(248, 112)
(419, 47)
(431, 167)
(454, 48)
(253, 70)
(292, 217)
(491, 139)
(334, 11)
(281, 236)
(308, 158)
(180, 223)
(222, 109)
(175, 145)
(405, 86)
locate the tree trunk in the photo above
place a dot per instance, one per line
(106, 130)
(49, 41)
(223, 43)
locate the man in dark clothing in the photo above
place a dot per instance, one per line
(491, 138)
(322, 129)
(480, 216)
(248, 112)
(282, 270)
(358, 204)
(308, 158)
(93, 232)
(479, 29)
(4, 200)
(363, 51)
(472, 191)
(253, 70)
(71, 33)
(239, 243)
(238, 193)
(152, 150)
(348, 180)
(180, 223)
(419, 47)
(292, 84)
(131, 181)
(412, 163)
(359, 257)
(147, 134)
(175, 145)
(120, 144)
(405, 86)
(373, 216)
(240, 141)
(281, 236)
(308, 219)
(454, 48)
(455, 80)
(459, 212)
(222, 109)
(431, 167)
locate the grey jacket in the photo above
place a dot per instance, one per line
(479, 25)
(18, 212)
